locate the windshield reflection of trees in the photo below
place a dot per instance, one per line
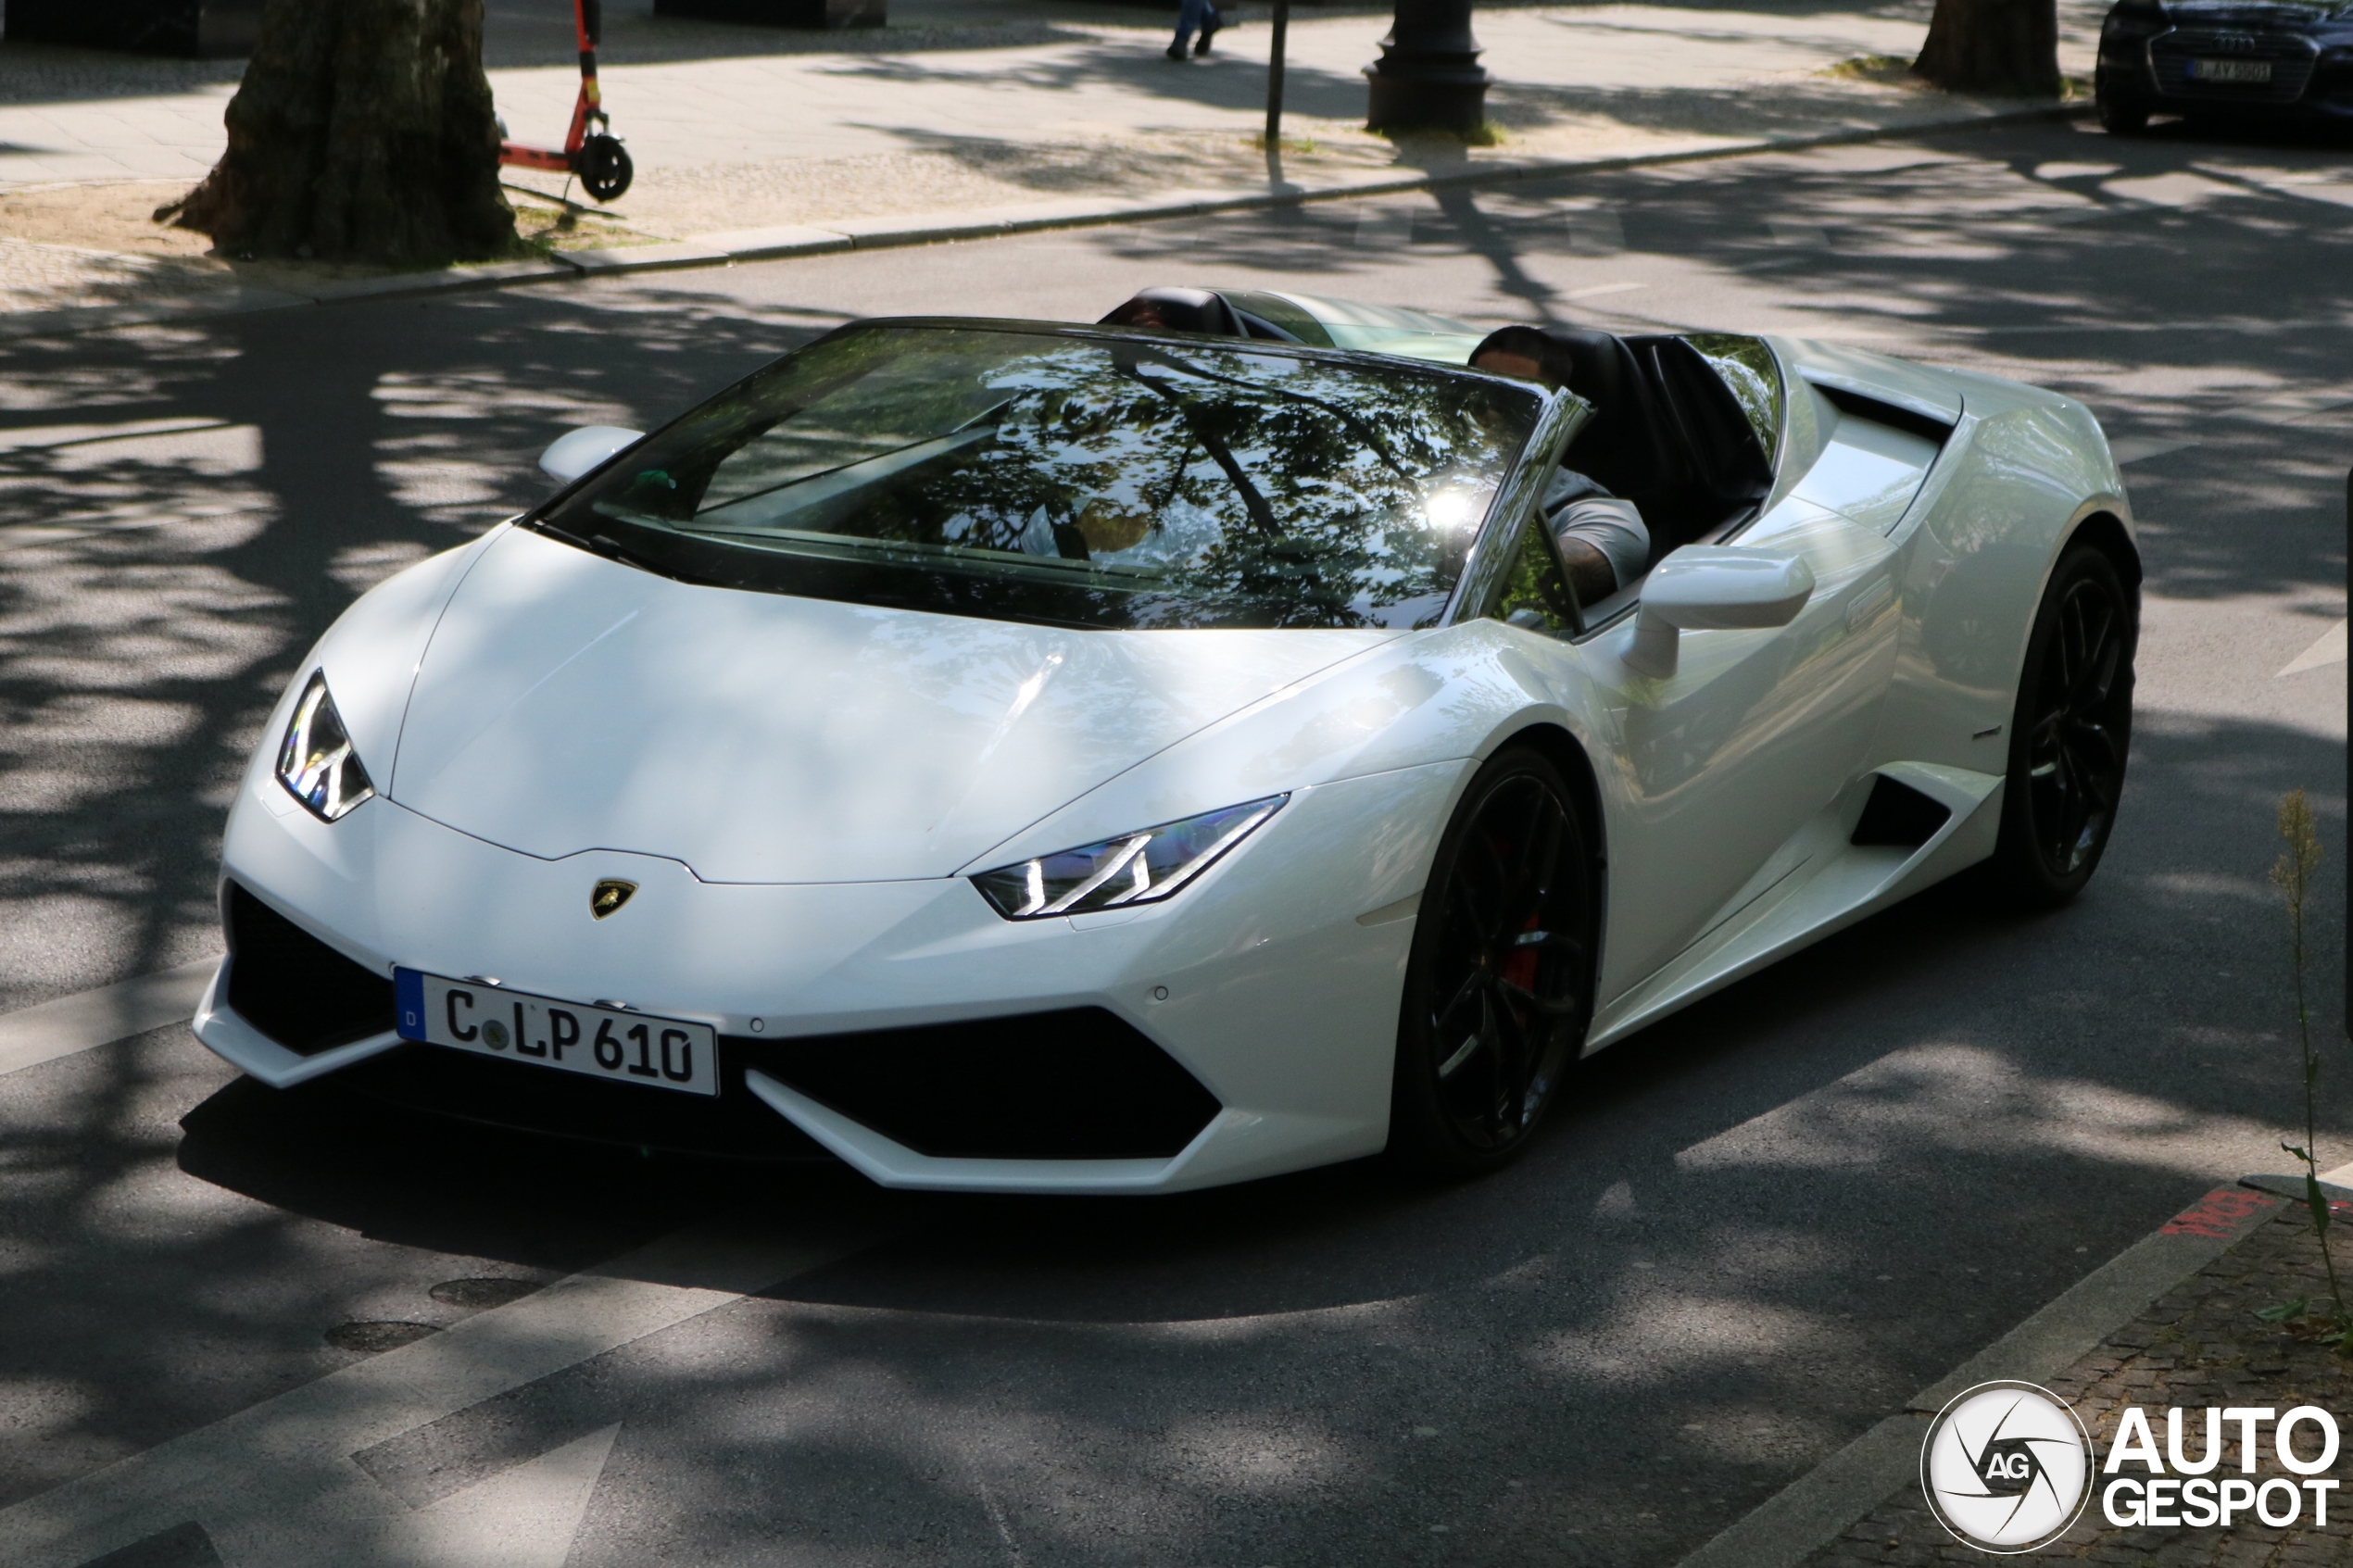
(1162, 484)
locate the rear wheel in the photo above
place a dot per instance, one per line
(1499, 985)
(2070, 733)
(605, 167)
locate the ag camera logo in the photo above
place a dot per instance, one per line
(2007, 1467)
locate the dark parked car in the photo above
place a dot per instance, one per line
(2226, 59)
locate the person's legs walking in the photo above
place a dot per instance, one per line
(1192, 16)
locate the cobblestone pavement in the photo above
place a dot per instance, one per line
(2200, 1345)
(46, 277)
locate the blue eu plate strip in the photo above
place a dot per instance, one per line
(409, 998)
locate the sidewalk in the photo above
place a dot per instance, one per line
(2171, 1322)
(960, 115)
(2199, 1344)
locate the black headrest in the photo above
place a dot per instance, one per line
(1624, 446)
(1722, 454)
(1179, 310)
(1194, 310)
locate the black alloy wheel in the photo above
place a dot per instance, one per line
(2070, 732)
(605, 167)
(1499, 986)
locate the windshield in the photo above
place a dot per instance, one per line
(1073, 479)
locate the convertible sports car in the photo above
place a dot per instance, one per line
(1021, 756)
(2249, 60)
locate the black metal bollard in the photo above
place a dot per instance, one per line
(1429, 76)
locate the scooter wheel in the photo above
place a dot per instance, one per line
(605, 168)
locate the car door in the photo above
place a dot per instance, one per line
(1713, 769)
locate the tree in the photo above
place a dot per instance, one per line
(2007, 46)
(364, 130)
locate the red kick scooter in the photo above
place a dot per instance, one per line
(600, 162)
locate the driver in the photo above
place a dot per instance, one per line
(1603, 544)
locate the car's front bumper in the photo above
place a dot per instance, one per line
(1260, 980)
(2310, 84)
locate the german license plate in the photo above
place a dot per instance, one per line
(628, 1048)
(2231, 71)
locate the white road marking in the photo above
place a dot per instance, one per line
(52, 1029)
(24, 535)
(2328, 649)
(1385, 225)
(36, 437)
(2309, 184)
(1600, 289)
(274, 1485)
(2179, 189)
(2064, 171)
(1589, 233)
(2141, 448)
(2289, 406)
(2066, 217)
(525, 1517)
(2237, 327)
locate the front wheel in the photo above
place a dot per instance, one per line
(2069, 731)
(605, 168)
(2120, 116)
(1499, 985)
(2123, 119)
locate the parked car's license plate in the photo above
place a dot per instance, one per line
(2231, 71)
(629, 1047)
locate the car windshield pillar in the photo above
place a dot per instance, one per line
(1497, 550)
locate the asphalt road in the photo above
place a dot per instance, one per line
(1757, 1229)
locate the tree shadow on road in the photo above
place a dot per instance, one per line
(1803, 1199)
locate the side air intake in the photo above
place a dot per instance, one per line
(1898, 816)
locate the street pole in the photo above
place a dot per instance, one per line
(1428, 76)
(1275, 77)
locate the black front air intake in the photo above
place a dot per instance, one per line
(1079, 1083)
(733, 1125)
(294, 987)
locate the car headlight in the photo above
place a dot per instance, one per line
(316, 762)
(1136, 868)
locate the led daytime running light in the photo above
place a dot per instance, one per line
(1137, 868)
(316, 762)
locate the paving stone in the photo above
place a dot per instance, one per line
(2200, 1345)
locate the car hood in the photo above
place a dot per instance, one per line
(567, 702)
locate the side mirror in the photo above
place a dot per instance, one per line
(575, 452)
(1714, 588)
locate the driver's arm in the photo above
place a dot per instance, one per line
(1603, 542)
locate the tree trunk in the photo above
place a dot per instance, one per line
(363, 131)
(2005, 46)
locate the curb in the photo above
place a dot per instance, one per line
(873, 233)
(1814, 1510)
(892, 232)
(240, 299)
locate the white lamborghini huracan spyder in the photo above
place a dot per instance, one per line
(1017, 755)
